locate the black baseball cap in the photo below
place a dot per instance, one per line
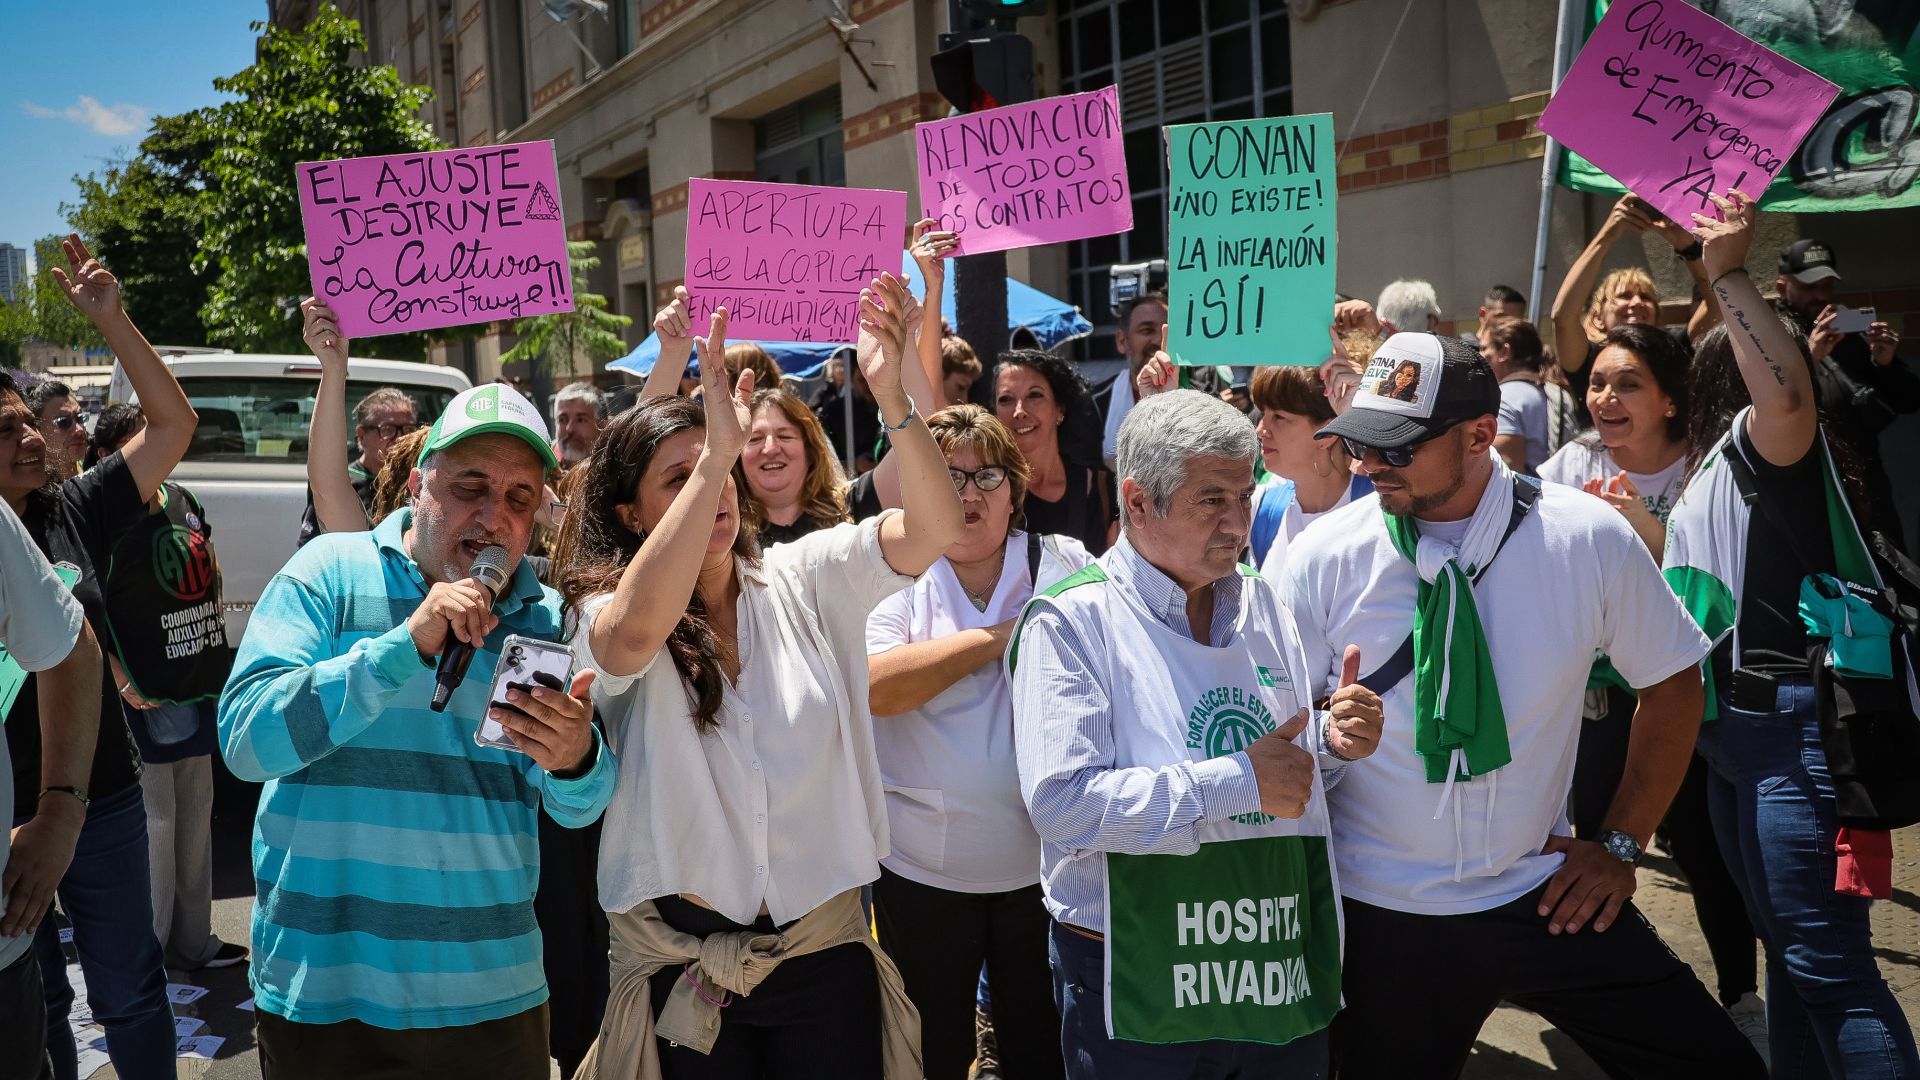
(1415, 387)
(1808, 261)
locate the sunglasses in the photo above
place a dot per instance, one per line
(390, 431)
(1398, 457)
(68, 423)
(985, 478)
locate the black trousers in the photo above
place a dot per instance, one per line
(1418, 988)
(23, 1021)
(1717, 904)
(512, 1048)
(939, 939)
(573, 938)
(815, 1016)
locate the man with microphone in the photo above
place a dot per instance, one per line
(395, 859)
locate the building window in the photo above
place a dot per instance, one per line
(1231, 62)
(802, 143)
(626, 26)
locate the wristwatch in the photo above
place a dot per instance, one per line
(1621, 846)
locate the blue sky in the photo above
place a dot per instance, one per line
(78, 84)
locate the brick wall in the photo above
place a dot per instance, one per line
(1474, 139)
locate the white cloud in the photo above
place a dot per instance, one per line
(122, 119)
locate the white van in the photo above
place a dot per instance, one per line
(248, 460)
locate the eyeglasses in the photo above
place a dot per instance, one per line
(68, 423)
(985, 478)
(1398, 457)
(389, 431)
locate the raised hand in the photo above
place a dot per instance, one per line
(322, 334)
(931, 248)
(728, 416)
(1355, 717)
(672, 324)
(1158, 374)
(884, 308)
(1628, 213)
(1351, 315)
(87, 284)
(1726, 240)
(1282, 770)
(1882, 343)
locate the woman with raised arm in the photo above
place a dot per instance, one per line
(674, 327)
(1773, 581)
(749, 810)
(338, 504)
(85, 831)
(1588, 305)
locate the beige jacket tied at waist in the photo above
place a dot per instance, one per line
(642, 944)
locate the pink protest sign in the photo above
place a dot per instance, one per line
(788, 261)
(1675, 104)
(1035, 173)
(418, 241)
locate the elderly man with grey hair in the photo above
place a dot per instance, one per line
(1171, 757)
(1410, 304)
(579, 415)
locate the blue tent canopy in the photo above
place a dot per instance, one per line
(1049, 320)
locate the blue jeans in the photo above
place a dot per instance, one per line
(1079, 988)
(105, 896)
(1829, 1013)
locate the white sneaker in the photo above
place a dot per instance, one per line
(1750, 1016)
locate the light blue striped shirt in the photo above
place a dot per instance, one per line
(394, 860)
(1081, 800)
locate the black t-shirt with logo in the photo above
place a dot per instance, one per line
(1772, 636)
(78, 522)
(162, 588)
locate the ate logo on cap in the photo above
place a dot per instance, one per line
(1816, 254)
(484, 406)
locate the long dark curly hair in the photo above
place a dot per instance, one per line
(1717, 393)
(595, 545)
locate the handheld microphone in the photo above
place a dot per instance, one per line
(490, 569)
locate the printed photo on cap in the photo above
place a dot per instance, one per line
(1400, 380)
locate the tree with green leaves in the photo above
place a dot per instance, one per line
(556, 344)
(303, 99)
(144, 217)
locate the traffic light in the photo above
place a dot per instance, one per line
(985, 72)
(996, 10)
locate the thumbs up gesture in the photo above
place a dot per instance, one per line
(1354, 718)
(1283, 771)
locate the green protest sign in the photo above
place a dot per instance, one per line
(1252, 232)
(1863, 153)
(1238, 941)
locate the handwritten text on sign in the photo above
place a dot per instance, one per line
(1251, 226)
(1675, 104)
(788, 261)
(418, 241)
(1037, 173)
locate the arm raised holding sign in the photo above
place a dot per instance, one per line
(674, 327)
(336, 506)
(930, 520)
(1581, 316)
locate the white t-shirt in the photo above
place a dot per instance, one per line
(39, 623)
(1523, 411)
(781, 804)
(954, 812)
(1346, 583)
(1582, 460)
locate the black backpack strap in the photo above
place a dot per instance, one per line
(1033, 560)
(1526, 492)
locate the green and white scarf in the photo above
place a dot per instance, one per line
(1460, 728)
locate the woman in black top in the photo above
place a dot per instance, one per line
(1034, 393)
(93, 841)
(1770, 787)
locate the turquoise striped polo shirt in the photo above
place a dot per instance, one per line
(394, 860)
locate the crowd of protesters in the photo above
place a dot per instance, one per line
(873, 764)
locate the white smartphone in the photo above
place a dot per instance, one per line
(524, 663)
(1846, 320)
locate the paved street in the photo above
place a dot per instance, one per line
(1515, 1045)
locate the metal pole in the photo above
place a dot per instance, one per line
(1563, 48)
